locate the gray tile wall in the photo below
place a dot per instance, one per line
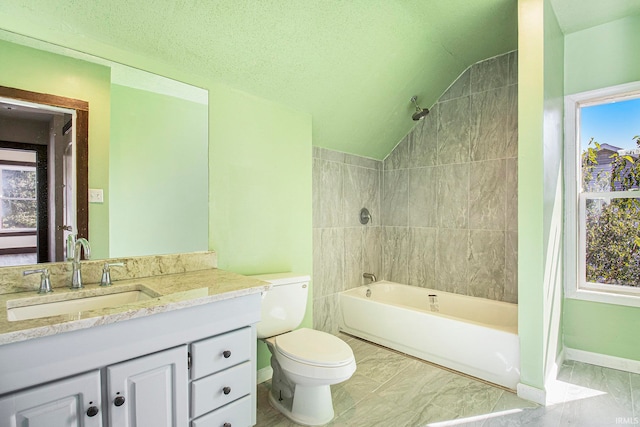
(449, 189)
(443, 203)
(342, 247)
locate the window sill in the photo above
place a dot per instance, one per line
(616, 298)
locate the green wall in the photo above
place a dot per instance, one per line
(553, 194)
(540, 113)
(260, 186)
(598, 57)
(38, 71)
(158, 177)
(602, 56)
(259, 167)
(530, 190)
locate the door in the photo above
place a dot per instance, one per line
(150, 391)
(72, 402)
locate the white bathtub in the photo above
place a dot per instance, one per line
(476, 336)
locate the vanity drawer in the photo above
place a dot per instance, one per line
(235, 414)
(220, 352)
(219, 389)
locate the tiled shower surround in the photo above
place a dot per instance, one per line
(343, 248)
(443, 202)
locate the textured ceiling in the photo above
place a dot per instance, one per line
(576, 15)
(352, 64)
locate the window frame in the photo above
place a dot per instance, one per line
(574, 243)
(31, 167)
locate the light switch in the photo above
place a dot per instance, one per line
(96, 195)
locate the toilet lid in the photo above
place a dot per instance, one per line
(314, 347)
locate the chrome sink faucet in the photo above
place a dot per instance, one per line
(76, 276)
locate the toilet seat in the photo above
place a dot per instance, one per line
(315, 348)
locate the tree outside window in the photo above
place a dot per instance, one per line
(610, 181)
(19, 210)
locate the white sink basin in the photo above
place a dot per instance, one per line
(77, 305)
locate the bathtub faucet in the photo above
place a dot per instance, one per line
(370, 276)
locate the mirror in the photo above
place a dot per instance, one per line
(147, 147)
(40, 136)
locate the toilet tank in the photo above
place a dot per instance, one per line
(284, 305)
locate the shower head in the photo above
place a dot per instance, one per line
(420, 112)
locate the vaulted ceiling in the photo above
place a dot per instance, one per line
(352, 64)
(576, 15)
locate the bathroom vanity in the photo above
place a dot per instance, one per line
(184, 356)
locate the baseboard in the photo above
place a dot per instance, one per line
(264, 374)
(548, 395)
(613, 362)
(532, 394)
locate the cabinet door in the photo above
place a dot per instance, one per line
(72, 402)
(150, 391)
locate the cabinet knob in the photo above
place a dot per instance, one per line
(92, 411)
(226, 425)
(226, 390)
(226, 354)
(118, 401)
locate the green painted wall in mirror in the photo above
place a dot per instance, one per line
(37, 71)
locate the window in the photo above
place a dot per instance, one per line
(602, 163)
(18, 186)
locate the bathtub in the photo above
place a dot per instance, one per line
(476, 336)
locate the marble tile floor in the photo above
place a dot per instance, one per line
(394, 390)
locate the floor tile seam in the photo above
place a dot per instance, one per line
(337, 419)
(377, 383)
(439, 392)
(457, 415)
(380, 383)
(337, 415)
(636, 411)
(631, 399)
(493, 408)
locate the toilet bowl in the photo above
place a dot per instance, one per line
(305, 362)
(302, 376)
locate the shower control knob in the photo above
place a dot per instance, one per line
(226, 425)
(92, 411)
(226, 390)
(226, 354)
(119, 401)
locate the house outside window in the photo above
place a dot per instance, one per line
(602, 182)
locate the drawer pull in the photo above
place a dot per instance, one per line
(118, 401)
(226, 354)
(93, 411)
(226, 390)
(226, 425)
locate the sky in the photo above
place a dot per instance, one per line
(614, 123)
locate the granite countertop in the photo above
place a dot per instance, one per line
(168, 292)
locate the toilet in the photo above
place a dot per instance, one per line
(305, 362)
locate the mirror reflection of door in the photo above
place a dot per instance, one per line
(36, 173)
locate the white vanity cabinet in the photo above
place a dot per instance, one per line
(149, 390)
(72, 402)
(222, 374)
(136, 373)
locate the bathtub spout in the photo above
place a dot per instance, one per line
(370, 276)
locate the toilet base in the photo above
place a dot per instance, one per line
(310, 406)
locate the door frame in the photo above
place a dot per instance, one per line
(81, 145)
(42, 191)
